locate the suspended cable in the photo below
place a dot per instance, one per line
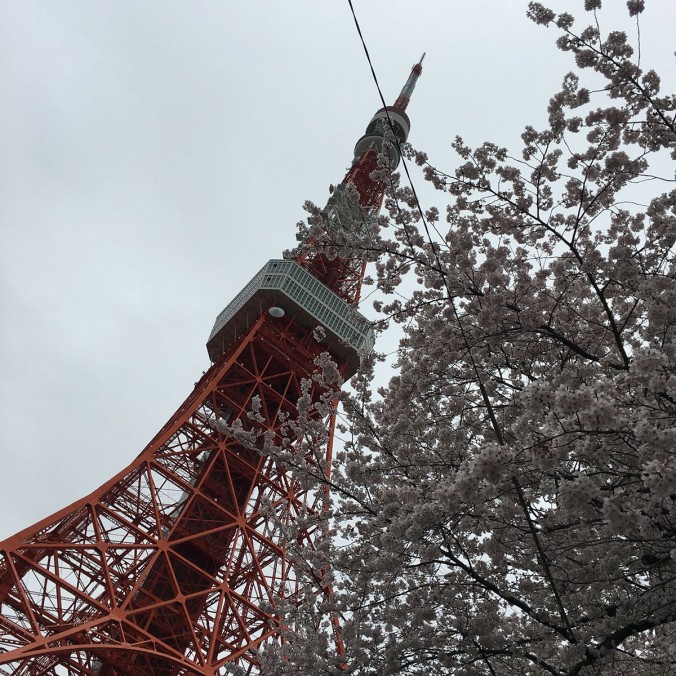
(482, 387)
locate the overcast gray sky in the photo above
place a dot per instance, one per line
(155, 153)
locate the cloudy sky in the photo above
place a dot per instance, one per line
(155, 153)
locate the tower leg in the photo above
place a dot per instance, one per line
(175, 565)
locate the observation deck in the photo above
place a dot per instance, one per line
(283, 287)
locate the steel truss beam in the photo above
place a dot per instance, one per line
(174, 566)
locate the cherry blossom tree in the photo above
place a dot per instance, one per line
(507, 503)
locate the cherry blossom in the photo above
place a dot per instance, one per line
(507, 503)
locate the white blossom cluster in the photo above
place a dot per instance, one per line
(507, 504)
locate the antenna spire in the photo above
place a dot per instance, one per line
(405, 96)
(393, 118)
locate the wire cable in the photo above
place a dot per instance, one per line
(475, 368)
(382, 99)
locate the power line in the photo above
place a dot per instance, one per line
(465, 340)
(382, 99)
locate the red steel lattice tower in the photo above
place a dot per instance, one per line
(174, 566)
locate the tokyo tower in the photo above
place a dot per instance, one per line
(175, 565)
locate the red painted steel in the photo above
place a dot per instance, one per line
(175, 565)
(167, 568)
(341, 274)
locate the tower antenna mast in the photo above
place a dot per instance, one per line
(404, 97)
